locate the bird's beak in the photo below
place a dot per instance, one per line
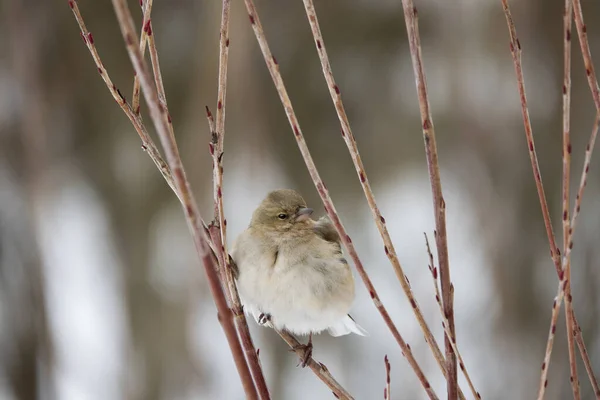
(303, 214)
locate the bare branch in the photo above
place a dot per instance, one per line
(146, 10)
(324, 194)
(147, 142)
(546, 364)
(566, 155)
(348, 136)
(439, 205)
(387, 392)
(180, 185)
(319, 369)
(587, 54)
(434, 274)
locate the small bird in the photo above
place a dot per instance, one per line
(291, 272)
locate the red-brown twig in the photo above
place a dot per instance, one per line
(583, 180)
(387, 392)
(146, 10)
(319, 369)
(227, 276)
(219, 131)
(516, 52)
(566, 154)
(434, 274)
(587, 54)
(147, 142)
(546, 364)
(216, 151)
(439, 205)
(515, 48)
(586, 359)
(348, 136)
(593, 83)
(273, 68)
(180, 183)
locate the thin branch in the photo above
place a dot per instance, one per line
(583, 181)
(216, 151)
(273, 68)
(348, 136)
(515, 49)
(516, 54)
(555, 312)
(147, 142)
(240, 320)
(319, 369)
(201, 240)
(593, 83)
(434, 274)
(587, 54)
(387, 392)
(146, 10)
(439, 205)
(566, 154)
(586, 360)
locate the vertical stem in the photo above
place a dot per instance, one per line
(216, 150)
(161, 121)
(273, 68)
(439, 205)
(348, 136)
(566, 153)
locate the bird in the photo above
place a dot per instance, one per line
(291, 274)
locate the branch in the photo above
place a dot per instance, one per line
(273, 68)
(546, 364)
(586, 359)
(439, 205)
(318, 368)
(387, 392)
(147, 142)
(348, 136)
(162, 123)
(566, 155)
(445, 324)
(180, 185)
(515, 49)
(593, 83)
(146, 10)
(555, 254)
(587, 54)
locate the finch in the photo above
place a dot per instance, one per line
(291, 272)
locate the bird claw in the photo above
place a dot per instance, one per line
(264, 319)
(306, 354)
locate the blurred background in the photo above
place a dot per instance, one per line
(101, 293)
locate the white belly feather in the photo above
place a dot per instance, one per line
(303, 295)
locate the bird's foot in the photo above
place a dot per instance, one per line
(264, 319)
(306, 352)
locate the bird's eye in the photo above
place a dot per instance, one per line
(282, 216)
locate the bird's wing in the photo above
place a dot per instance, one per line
(325, 229)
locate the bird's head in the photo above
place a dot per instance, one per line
(281, 211)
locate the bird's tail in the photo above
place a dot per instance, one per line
(345, 326)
